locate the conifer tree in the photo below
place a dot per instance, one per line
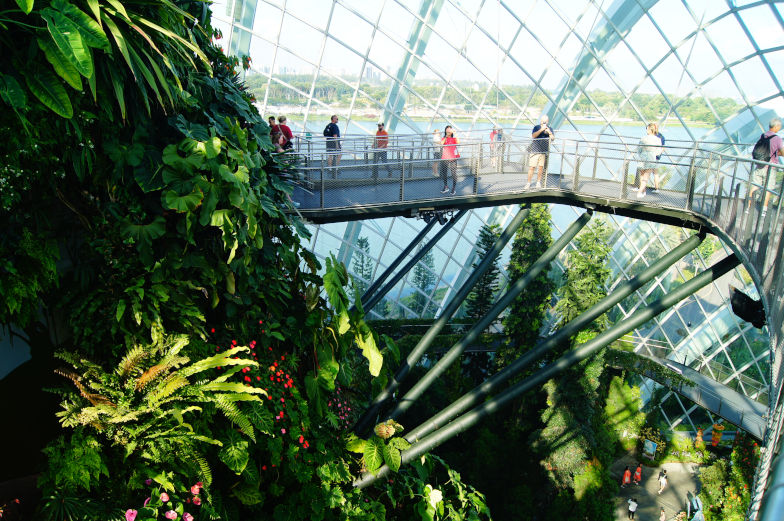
(527, 313)
(362, 265)
(480, 300)
(424, 279)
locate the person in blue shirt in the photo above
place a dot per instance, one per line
(540, 147)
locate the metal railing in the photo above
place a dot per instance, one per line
(736, 197)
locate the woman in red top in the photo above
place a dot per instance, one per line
(449, 155)
(638, 474)
(627, 477)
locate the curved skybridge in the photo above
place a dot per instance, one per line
(711, 187)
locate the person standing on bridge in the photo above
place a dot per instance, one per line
(658, 157)
(286, 131)
(775, 149)
(380, 144)
(541, 136)
(332, 133)
(647, 150)
(450, 155)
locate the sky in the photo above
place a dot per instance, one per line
(527, 42)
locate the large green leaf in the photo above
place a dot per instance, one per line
(25, 5)
(119, 39)
(261, 418)
(367, 343)
(69, 40)
(392, 457)
(374, 453)
(11, 92)
(183, 203)
(64, 68)
(235, 455)
(145, 232)
(48, 89)
(89, 29)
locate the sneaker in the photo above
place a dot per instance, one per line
(538, 184)
(445, 190)
(640, 195)
(453, 192)
(527, 186)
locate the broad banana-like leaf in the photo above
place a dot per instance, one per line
(90, 30)
(11, 92)
(64, 68)
(25, 5)
(69, 40)
(48, 89)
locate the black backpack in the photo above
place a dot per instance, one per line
(761, 150)
(327, 132)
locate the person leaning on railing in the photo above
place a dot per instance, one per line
(764, 172)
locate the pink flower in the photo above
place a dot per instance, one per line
(195, 490)
(170, 514)
(187, 517)
(196, 500)
(164, 497)
(148, 481)
(283, 431)
(146, 501)
(130, 514)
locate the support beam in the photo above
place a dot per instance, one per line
(371, 297)
(571, 358)
(520, 284)
(491, 384)
(424, 343)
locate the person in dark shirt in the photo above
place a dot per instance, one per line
(540, 147)
(272, 125)
(656, 171)
(332, 133)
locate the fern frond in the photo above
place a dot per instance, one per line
(175, 344)
(226, 375)
(149, 375)
(233, 413)
(93, 398)
(220, 359)
(131, 361)
(166, 388)
(232, 387)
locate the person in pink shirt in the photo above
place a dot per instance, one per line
(272, 125)
(450, 155)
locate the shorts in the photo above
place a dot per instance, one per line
(537, 159)
(758, 178)
(333, 145)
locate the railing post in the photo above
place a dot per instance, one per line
(625, 183)
(576, 185)
(691, 180)
(402, 176)
(595, 159)
(321, 192)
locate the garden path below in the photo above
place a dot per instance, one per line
(682, 480)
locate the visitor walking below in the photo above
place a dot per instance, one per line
(627, 477)
(637, 474)
(647, 150)
(332, 133)
(541, 136)
(662, 480)
(450, 155)
(632, 507)
(662, 515)
(380, 144)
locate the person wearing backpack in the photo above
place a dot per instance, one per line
(768, 148)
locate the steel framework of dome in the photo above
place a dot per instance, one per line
(480, 63)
